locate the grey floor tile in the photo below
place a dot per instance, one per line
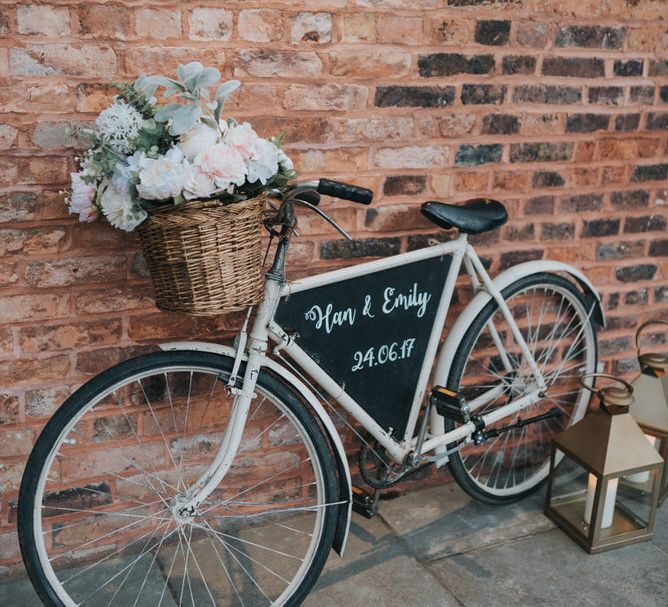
(660, 538)
(550, 569)
(443, 520)
(376, 570)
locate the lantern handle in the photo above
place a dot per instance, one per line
(626, 384)
(642, 327)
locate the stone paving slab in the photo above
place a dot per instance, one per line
(20, 593)
(442, 521)
(376, 570)
(550, 569)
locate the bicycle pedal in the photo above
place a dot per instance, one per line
(450, 404)
(364, 503)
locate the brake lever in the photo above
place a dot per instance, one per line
(324, 215)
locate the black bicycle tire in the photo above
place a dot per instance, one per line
(455, 463)
(52, 430)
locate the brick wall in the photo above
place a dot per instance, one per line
(556, 107)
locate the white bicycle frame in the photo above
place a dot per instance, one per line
(265, 329)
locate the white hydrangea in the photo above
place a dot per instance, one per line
(163, 177)
(120, 210)
(125, 173)
(118, 124)
(264, 164)
(285, 162)
(198, 184)
(197, 139)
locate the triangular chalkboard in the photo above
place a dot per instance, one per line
(370, 333)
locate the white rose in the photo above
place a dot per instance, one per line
(285, 161)
(162, 177)
(81, 201)
(244, 139)
(223, 163)
(120, 210)
(197, 139)
(198, 184)
(265, 163)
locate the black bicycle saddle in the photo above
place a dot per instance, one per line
(472, 217)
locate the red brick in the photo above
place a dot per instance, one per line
(395, 218)
(62, 59)
(260, 25)
(381, 128)
(74, 271)
(395, 29)
(144, 59)
(164, 325)
(312, 28)
(8, 273)
(329, 161)
(270, 62)
(96, 361)
(411, 157)
(340, 97)
(97, 301)
(31, 241)
(356, 27)
(40, 306)
(448, 31)
(210, 24)
(43, 20)
(365, 63)
(34, 370)
(158, 24)
(46, 338)
(99, 21)
(9, 410)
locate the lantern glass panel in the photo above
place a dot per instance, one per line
(634, 502)
(569, 491)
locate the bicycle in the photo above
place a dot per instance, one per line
(213, 474)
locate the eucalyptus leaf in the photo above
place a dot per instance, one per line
(184, 119)
(166, 111)
(226, 89)
(207, 77)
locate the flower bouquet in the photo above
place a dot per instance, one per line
(190, 182)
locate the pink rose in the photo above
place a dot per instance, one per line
(81, 201)
(244, 139)
(223, 163)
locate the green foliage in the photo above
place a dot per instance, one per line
(192, 88)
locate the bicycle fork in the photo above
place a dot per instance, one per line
(188, 503)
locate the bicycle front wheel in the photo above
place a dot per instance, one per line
(99, 516)
(555, 320)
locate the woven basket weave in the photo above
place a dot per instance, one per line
(205, 258)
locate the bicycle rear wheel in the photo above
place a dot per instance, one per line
(99, 517)
(556, 322)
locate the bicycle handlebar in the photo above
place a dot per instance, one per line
(345, 191)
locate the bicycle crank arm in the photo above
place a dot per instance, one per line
(554, 412)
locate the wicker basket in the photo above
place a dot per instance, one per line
(205, 258)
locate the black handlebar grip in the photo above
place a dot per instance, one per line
(345, 191)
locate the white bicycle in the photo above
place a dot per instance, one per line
(207, 474)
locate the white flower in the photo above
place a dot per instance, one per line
(118, 124)
(198, 184)
(120, 210)
(197, 139)
(285, 161)
(244, 139)
(264, 165)
(162, 177)
(125, 173)
(81, 201)
(223, 163)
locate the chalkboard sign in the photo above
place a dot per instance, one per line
(370, 333)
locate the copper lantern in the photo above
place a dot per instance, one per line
(651, 407)
(587, 495)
